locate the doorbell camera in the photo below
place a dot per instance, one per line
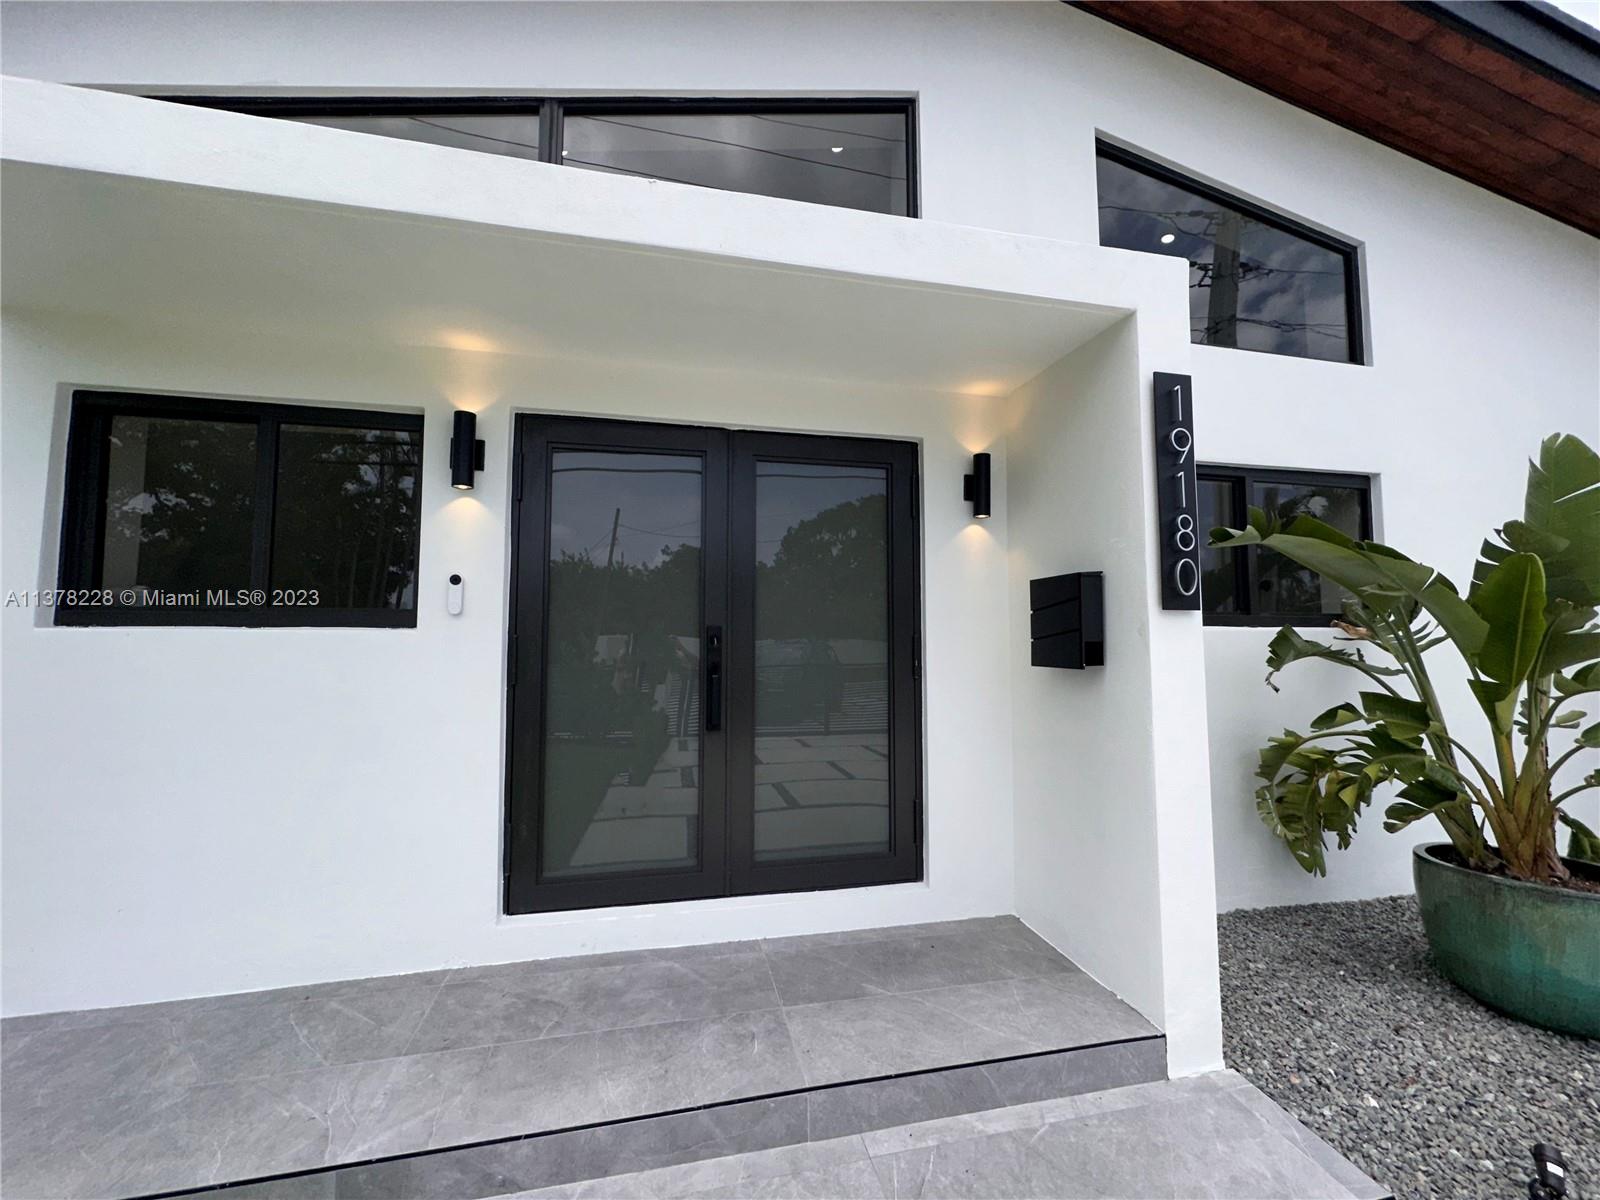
(453, 597)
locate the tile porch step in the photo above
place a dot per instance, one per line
(613, 1061)
(1211, 1135)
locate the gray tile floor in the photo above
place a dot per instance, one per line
(1208, 1136)
(126, 1101)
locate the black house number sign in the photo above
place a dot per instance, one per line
(1177, 503)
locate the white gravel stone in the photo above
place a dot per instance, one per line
(1328, 1007)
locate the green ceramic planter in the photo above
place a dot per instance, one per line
(1528, 950)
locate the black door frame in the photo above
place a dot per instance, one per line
(903, 863)
(537, 438)
(727, 774)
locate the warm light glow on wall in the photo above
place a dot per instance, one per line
(984, 387)
(472, 343)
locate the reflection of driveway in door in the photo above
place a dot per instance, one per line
(827, 792)
(822, 793)
(651, 826)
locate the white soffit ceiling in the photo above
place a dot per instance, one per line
(131, 249)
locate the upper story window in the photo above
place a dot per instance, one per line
(847, 158)
(1257, 281)
(847, 153)
(188, 511)
(1255, 586)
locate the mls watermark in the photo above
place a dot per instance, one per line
(148, 597)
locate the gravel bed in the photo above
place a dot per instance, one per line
(1335, 1012)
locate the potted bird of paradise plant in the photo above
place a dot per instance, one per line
(1508, 917)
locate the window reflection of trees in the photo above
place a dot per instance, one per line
(346, 516)
(1287, 587)
(622, 664)
(180, 504)
(822, 623)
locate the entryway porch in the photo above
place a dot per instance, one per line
(755, 1061)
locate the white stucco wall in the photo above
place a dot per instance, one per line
(1484, 316)
(200, 810)
(1112, 815)
(778, 315)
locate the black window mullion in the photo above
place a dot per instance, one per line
(85, 527)
(266, 502)
(1249, 565)
(550, 114)
(1247, 560)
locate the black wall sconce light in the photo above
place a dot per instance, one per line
(466, 451)
(976, 486)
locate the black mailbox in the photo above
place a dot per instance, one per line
(1068, 620)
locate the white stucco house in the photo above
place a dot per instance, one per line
(709, 643)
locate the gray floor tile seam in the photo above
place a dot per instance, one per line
(1286, 1145)
(550, 1037)
(1026, 1134)
(971, 983)
(806, 1089)
(431, 1150)
(783, 1015)
(1248, 1098)
(491, 1045)
(194, 1006)
(405, 1051)
(1039, 1049)
(1017, 1118)
(888, 933)
(657, 956)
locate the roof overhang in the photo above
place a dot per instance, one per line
(128, 209)
(1505, 95)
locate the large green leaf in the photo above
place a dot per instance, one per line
(1584, 844)
(1560, 524)
(1335, 717)
(1562, 650)
(1511, 600)
(1418, 799)
(1384, 579)
(1584, 680)
(1401, 717)
(1563, 502)
(1288, 646)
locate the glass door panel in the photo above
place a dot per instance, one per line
(621, 780)
(713, 668)
(616, 780)
(824, 761)
(821, 661)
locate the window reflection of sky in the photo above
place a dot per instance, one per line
(789, 493)
(1291, 293)
(852, 160)
(654, 500)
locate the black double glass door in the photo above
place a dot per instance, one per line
(713, 664)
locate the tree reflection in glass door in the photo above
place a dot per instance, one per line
(822, 656)
(622, 697)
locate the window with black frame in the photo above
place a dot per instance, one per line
(1256, 586)
(849, 159)
(841, 152)
(188, 511)
(1257, 281)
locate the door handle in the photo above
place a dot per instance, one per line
(713, 655)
